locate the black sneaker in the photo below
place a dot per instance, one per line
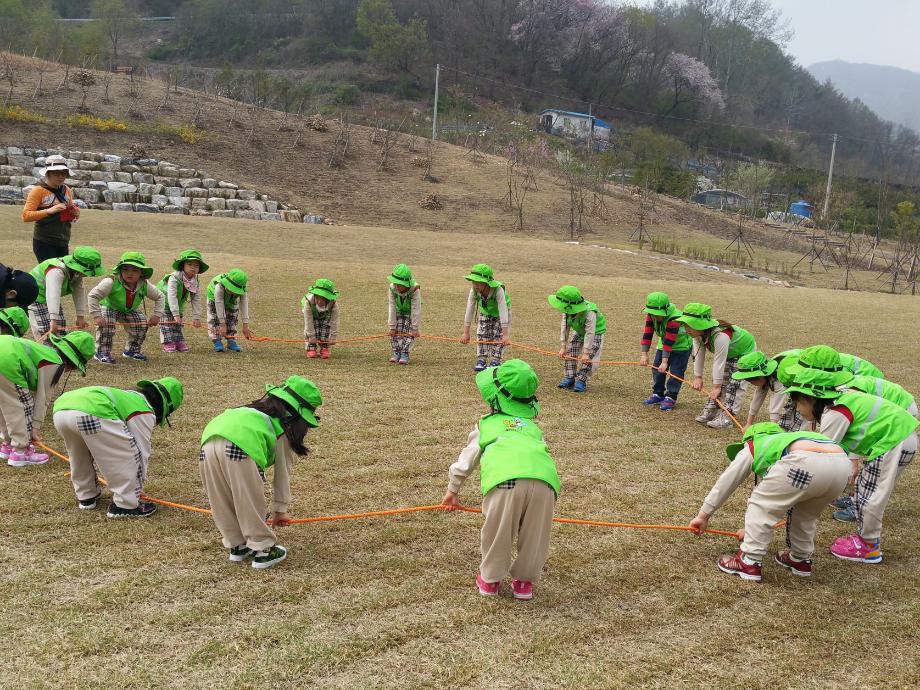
(143, 510)
(241, 553)
(89, 503)
(266, 559)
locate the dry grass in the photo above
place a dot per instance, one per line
(389, 602)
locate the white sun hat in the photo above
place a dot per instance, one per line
(55, 163)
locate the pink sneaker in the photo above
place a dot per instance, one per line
(311, 354)
(169, 347)
(5, 450)
(26, 457)
(487, 589)
(522, 590)
(182, 347)
(853, 548)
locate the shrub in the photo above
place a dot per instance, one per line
(98, 123)
(347, 94)
(17, 113)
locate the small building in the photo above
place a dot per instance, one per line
(580, 126)
(721, 198)
(801, 208)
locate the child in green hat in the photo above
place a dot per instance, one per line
(673, 351)
(29, 371)
(181, 286)
(57, 278)
(494, 332)
(228, 302)
(581, 336)
(119, 298)
(877, 430)
(320, 307)
(859, 366)
(770, 376)
(14, 322)
(237, 447)
(518, 480)
(111, 429)
(727, 343)
(797, 474)
(404, 313)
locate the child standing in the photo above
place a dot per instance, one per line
(727, 343)
(320, 309)
(879, 431)
(57, 278)
(119, 299)
(517, 477)
(181, 286)
(494, 304)
(14, 322)
(227, 303)
(587, 326)
(110, 428)
(798, 473)
(673, 351)
(28, 373)
(404, 313)
(770, 376)
(236, 448)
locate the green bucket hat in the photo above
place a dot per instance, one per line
(234, 280)
(821, 358)
(85, 260)
(816, 383)
(77, 346)
(657, 304)
(759, 429)
(135, 259)
(568, 300)
(754, 364)
(301, 394)
(698, 316)
(482, 273)
(401, 275)
(16, 320)
(190, 255)
(786, 361)
(510, 388)
(171, 393)
(324, 288)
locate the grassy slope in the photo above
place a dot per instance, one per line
(389, 602)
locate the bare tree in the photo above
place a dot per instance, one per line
(106, 80)
(340, 146)
(8, 72)
(85, 80)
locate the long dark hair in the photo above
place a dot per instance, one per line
(154, 398)
(818, 405)
(295, 427)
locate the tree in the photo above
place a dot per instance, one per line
(691, 82)
(751, 179)
(393, 45)
(114, 20)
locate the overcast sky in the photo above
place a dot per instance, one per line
(880, 32)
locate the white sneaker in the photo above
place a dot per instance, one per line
(706, 415)
(721, 422)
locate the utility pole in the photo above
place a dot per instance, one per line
(434, 118)
(830, 178)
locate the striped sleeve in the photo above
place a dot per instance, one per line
(670, 336)
(647, 334)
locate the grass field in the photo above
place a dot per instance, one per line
(390, 602)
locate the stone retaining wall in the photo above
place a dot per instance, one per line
(114, 183)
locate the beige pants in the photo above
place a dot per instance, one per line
(798, 487)
(525, 514)
(875, 484)
(16, 407)
(237, 495)
(111, 445)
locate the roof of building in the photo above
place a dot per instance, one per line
(597, 121)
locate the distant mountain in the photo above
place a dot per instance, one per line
(892, 92)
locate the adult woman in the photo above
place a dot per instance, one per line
(51, 207)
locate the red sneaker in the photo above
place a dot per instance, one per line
(487, 589)
(734, 565)
(324, 353)
(522, 590)
(311, 354)
(800, 568)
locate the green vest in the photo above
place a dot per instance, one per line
(19, 360)
(39, 273)
(317, 314)
(104, 402)
(404, 302)
(513, 448)
(742, 342)
(118, 297)
(252, 431)
(860, 367)
(182, 295)
(877, 426)
(683, 341)
(489, 307)
(577, 321)
(883, 389)
(230, 298)
(771, 447)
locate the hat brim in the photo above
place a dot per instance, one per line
(478, 279)
(167, 403)
(68, 352)
(732, 449)
(401, 281)
(840, 377)
(94, 272)
(146, 271)
(655, 312)
(696, 323)
(492, 396)
(769, 367)
(232, 288)
(203, 267)
(55, 168)
(823, 394)
(557, 303)
(324, 293)
(279, 392)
